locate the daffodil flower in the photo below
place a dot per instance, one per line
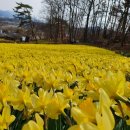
(6, 118)
(68, 92)
(84, 126)
(21, 99)
(104, 117)
(89, 109)
(114, 84)
(56, 106)
(32, 125)
(40, 102)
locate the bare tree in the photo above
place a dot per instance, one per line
(88, 19)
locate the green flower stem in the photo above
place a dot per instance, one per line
(45, 122)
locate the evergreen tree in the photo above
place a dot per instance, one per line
(23, 14)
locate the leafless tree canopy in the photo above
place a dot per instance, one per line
(88, 20)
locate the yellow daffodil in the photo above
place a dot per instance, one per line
(41, 101)
(114, 84)
(6, 118)
(50, 82)
(27, 77)
(22, 99)
(55, 81)
(84, 126)
(68, 92)
(89, 109)
(56, 106)
(78, 115)
(32, 125)
(104, 117)
(4, 97)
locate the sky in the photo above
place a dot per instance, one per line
(9, 4)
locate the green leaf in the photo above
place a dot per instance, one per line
(121, 125)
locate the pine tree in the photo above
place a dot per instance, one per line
(23, 14)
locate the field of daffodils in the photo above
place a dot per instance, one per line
(63, 87)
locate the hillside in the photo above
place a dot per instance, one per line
(62, 83)
(6, 14)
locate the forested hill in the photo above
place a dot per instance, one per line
(6, 14)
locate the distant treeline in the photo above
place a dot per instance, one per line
(88, 20)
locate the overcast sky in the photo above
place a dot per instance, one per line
(9, 4)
